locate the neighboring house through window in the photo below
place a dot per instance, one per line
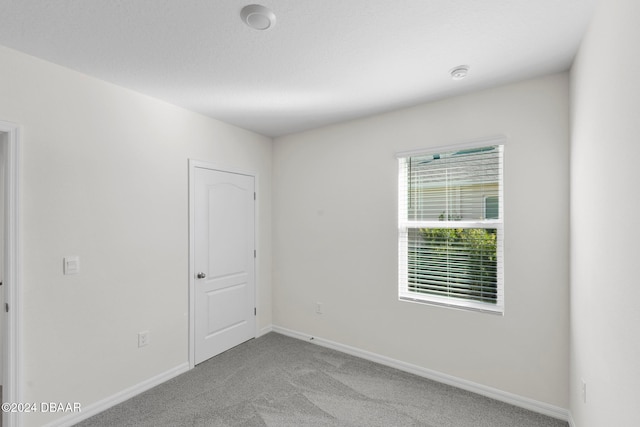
(491, 207)
(451, 227)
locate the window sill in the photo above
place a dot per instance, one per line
(456, 305)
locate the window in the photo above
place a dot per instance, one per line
(451, 227)
(491, 207)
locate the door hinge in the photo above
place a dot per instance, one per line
(255, 253)
(255, 311)
(254, 195)
(6, 307)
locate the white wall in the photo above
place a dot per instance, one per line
(605, 150)
(104, 176)
(335, 239)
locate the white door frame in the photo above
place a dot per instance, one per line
(12, 387)
(193, 164)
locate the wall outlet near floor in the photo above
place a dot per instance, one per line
(583, 390)
(71, 265)
(319, 308)
(143, 338)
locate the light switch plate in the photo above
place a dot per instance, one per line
(71, 265)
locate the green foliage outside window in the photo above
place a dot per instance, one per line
(456, 262)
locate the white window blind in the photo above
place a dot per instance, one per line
(450, 249)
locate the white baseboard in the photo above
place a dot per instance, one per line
(264, 331)
(493, 393)
(97, 407)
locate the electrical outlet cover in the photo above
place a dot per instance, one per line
(143, 338)
(71, 265)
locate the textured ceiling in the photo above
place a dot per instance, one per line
(324, 61)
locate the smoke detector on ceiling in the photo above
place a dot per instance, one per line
(258, 17)
(459, 72)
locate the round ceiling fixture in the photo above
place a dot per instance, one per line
(459, 72)
(258, 17)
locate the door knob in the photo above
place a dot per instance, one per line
(201, 275)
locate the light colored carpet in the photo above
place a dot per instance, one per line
(279, 381)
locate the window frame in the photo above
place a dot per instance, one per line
(405, 224)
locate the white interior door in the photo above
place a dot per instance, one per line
(224, 261)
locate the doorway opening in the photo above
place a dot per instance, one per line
(10, 290)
